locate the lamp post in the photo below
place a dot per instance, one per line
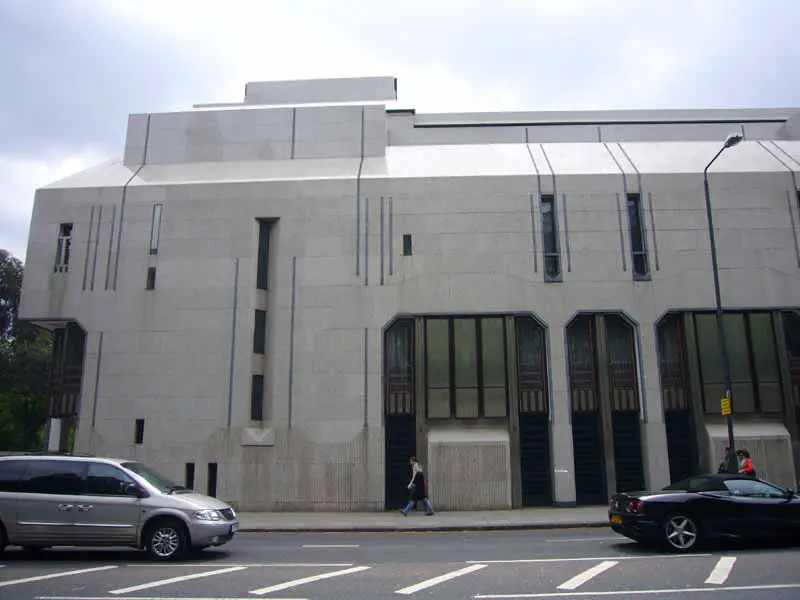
(730, 141)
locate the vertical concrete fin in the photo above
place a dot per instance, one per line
(533, 202)
(291, 339)
(88, 248)
(382, 240)
(653, 229)
(110, 244)
(97, 379)
(391, 236)
(366, 377)
(232, 361)
(566, 232)
(96, 243)
(366, 241)
(621, 235)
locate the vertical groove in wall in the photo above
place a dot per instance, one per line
(744, 136)
(599, 134)
(97, 379)
(778, 158)
(366, 376)
(88, 247)
(653, 228)
(291, 337)
(122, 203)
(621, 236)
(110, 243)
(294, 130)
(358, 200)
(391, 236)
(366, 241)
(533, 209)
(633, 165)
(794, 228)
(233, 339)
(96, 243)
(789, 156)
(566, 232)
(382, 252)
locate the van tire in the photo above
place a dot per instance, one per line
(3, 537)
(166, 538)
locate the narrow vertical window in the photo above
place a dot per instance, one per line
(641, 268)
(151, 278)
(257, 398)
(212, 480)
(64, 248)
(552, 256)
(407, 244)
(189, 475)
(260, 332)
(139, 433)
(263, 255)
(155, 228)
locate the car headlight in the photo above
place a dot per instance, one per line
(208, 515)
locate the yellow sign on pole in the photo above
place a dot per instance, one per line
(725, 404)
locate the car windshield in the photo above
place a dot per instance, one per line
(157, 480)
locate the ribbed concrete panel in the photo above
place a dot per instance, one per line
(469, 470)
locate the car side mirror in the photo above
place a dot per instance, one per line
(790, 493)
(135, 490)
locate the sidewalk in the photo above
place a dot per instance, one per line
(527, 518)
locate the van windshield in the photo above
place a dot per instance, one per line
(157, 480)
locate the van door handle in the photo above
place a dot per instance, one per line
(65, 507)
(85, 507)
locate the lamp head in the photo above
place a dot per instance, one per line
(732, 140)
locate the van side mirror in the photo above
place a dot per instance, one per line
(135, 490)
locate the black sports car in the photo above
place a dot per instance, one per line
(705, 507)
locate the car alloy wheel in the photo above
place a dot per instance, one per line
(681, 532)
(166, 541)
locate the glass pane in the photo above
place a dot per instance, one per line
(439, 403)
(494, 402)
(736, 338)
(764, 353)
(400, 368)
(467, 403)
(791, 329)
(552, 265)
(438, 353)
(708, 349)
(493, 352)
(466, 353)
(530, 360)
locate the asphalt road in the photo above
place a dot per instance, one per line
(569, 564)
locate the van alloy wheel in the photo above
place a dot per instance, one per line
(166, 540)
(681, 532)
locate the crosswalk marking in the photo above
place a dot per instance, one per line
(422, 585)
(330, 546)
(663, 592)
(721, 571)
(160, 582)
(295, 582)
(583, 559)
(588, 574)
(55, 575)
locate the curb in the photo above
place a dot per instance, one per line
(429, 529)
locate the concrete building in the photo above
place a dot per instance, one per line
(280, 301)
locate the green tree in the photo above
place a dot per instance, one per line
(25, 353)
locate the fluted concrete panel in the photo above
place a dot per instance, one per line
(469, 469)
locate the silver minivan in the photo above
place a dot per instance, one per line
(71, 500)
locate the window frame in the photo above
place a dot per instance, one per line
(780, 493)
(155, 227)
(408, 245)
(451, 353)
(63, 247)
(642, 252)
(262, 253)
(15, 486)
(126, 480)
(257, 397)
(82, 466)
(260, 332)
(555, 254)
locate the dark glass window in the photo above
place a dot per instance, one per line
(260, 332)
(532, 366)
(139, 431)
(64, 248)
(466, 367)
(765, 362)
(55, 477)
(257, 398)
(641, 268)
(106, 480)
(11, 475)
(552, 257)
(263, 255)
(151, 278)
(155, 228)
(400, 367)
(189, 475)
(406, 244)
(212, 480)
(753, 489)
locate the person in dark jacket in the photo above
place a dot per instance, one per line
(417, 488)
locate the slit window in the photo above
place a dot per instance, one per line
(552, 255)
(189, 475)
(641, 267)
(212, 480)
(262, 263)
(151, 278)
(407, 244)
(139, 432)
(257, 398)
(64, 248)
(260, 332)
(155, 228)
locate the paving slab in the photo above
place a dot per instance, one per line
(334, 522)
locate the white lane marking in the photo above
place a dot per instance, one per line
(737, 588)
(721, 571)
(422, 585)
(583, 559)
(587, 539)
(187, 565)
(330, 545)
(55, 575)
(295, 582)
(149, 598)
(588, 574)
(160, 582)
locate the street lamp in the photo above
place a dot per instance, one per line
(730, 141)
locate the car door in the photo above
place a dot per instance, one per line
(105, 515)
(50, 490)
(11, 472)
(762, 509)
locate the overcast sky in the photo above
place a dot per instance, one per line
(72, 70)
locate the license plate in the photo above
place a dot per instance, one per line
(234, 528)
(616, 520)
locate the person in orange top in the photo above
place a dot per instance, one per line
(745, 463)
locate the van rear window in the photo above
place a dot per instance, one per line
(11, 475)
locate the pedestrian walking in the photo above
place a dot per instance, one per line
(729, 463)
(745, 463)
(418, 489)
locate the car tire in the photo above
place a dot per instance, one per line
(166, 539)
(681, 532)
(3, 538)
